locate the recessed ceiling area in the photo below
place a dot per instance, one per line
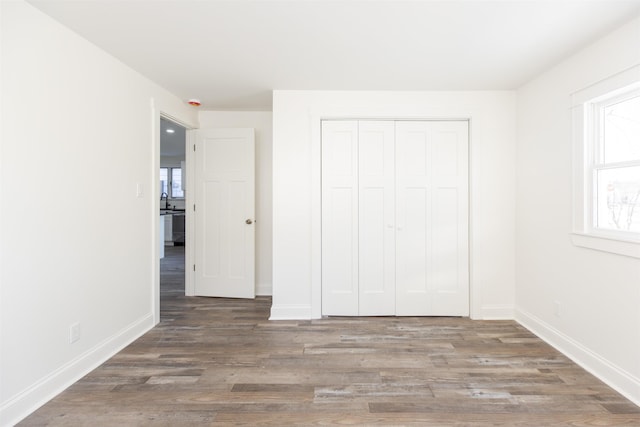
(232, 54)
(172, 144)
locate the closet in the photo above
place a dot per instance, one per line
(395, 215)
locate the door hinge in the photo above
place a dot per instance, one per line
(194, 147)
(194, 207)
(194, 267)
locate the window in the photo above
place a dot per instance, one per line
(615, 170)
(606, 118)
(176, 183)
(171, 182)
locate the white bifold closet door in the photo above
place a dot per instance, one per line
(395, 218)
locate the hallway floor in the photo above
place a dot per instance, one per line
(221, 362)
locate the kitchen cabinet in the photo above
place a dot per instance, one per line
(161, 238)
(168, 229)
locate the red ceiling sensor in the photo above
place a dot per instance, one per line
(194, 102)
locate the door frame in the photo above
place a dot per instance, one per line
(158, 110)
(189, 226)
(316, 118)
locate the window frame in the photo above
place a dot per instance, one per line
(596, 145)
(588, 160)
(170, 181)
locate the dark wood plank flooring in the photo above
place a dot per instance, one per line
(222, 362)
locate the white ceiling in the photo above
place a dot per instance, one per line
(232, 53)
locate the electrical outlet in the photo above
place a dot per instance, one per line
(556, 308)
(74, 333)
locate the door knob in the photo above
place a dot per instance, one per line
(248, 221)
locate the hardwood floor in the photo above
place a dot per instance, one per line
(221, 362)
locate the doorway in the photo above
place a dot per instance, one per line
(172, 212)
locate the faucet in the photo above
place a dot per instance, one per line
(166, 198)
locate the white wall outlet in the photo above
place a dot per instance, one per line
(557, 308)
(74, 332)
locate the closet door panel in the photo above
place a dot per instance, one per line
(413, 210)
(340, 218)
(445, 208)
(450, 222)
(376, 218)
(445, 240)
(413, 242)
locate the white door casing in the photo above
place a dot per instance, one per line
(395, 218)
(224, 237)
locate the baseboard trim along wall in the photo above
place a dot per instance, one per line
(290, 312)
(264, 289)
(18, 407)
(496, 312)
(618, 379)
(303, 312)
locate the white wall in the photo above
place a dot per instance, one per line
(598, 292)
(78, 137)
(296, 188)
(261, 121)
(171, 161)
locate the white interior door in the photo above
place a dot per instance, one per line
(432, 261)
(224, 238)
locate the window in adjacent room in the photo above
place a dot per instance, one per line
(171, 182)
(176, 183)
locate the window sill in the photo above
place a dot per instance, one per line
(615, 245)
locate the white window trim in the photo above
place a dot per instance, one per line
(169, 183)
(584, 234)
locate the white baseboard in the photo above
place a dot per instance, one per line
(497, 312)
(615, 377)
(301, 312)
(21, 405)
(290, 312)
(264, 289)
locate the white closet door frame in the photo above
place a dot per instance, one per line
(426, 227)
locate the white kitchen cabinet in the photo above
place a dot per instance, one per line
(161, 238)
(168, 230)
